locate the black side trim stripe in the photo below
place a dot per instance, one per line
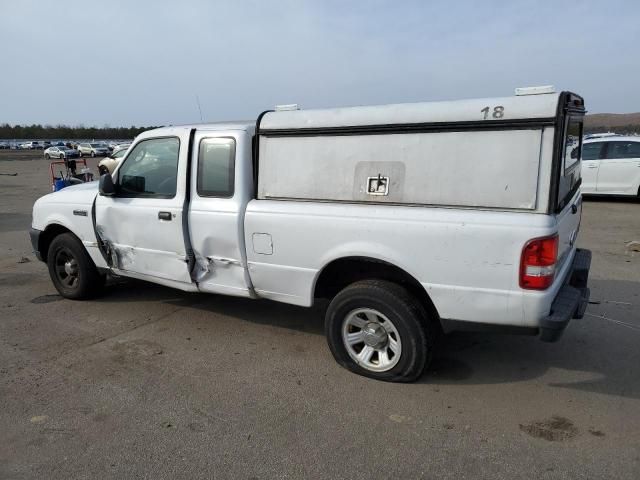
(524, 123)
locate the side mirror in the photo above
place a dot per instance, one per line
(106, 186)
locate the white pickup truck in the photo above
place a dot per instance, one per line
(412, 219)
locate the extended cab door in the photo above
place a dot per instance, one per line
(591, 155)
(220, 188)
(142, 223)
(620, 168)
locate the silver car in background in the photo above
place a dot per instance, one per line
(60, 152)
(93, 149)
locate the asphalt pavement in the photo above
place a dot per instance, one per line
(149, 382)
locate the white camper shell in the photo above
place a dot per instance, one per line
(484, 153)
(411, 219)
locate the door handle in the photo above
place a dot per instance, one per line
(592, 166)
(164, 215)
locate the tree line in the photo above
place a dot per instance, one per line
(631, 129)
(60, 132)
(37, 131)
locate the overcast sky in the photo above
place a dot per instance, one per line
(141, 62)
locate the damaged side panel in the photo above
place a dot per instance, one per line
(137, 241)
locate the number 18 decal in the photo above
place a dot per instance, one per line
(498, 112)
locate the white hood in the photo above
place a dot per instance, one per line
(65, 206)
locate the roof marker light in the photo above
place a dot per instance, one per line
(535, 90)
(287, 108)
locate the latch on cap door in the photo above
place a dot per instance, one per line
(378, 185)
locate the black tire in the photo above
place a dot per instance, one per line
(61, 157)
(408, 316)
(47, 156)
(87, 282)
(93, 154)
(79, 154)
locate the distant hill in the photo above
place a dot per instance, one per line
(612, 122)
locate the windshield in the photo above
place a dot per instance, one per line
(97, 145)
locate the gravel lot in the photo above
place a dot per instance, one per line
(147, 382)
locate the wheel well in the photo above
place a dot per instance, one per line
(46, 237)
(345, 271)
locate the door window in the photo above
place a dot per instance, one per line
(216, 164)
(623, 150)
(150, 169)
(591, 151)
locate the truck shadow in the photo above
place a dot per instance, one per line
(594, 355)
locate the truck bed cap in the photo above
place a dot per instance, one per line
(542, 106)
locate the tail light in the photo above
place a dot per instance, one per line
(538, 263)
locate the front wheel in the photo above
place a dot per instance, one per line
(93, 154)
(61, 156)
(378, 329)
(71, 269)
(47, 156)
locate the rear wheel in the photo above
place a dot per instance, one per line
(378, 329)
(80, 153)
(93, 154)
(47, 156)
(71, 269)
(61, 156)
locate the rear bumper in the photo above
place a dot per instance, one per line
(35, 241)
(571, 301)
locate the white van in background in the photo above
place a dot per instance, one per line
(611, 166)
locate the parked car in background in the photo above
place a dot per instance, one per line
(4, 146)
(46, 144)
(611, 166)
(112, 145)
(30, 146)
(109, 164)
(93, 149)
(600, 135)
(121, 146)
(60, 152)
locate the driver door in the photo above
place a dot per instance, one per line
(142, 222)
